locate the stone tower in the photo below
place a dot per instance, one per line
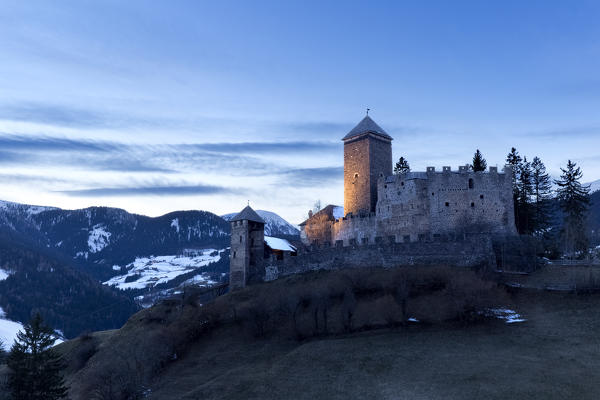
(367, 155)
(247, 247)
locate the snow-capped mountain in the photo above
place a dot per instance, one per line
(98, 238)
(594, 186)
(55, 261)
(274, 224)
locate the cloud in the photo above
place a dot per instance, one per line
(582, 131)
(27, 179)
(77, 117)
(54, 115)
(312, 176)
(265, 147)
(234, 159)
(186, 190)
(323, 127)
(48, 143)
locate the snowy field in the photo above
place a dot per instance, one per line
(8, 330)
(148, 272)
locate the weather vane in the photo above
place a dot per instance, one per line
(368, 109)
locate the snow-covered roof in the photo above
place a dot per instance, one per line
(367, 125)
(338, 212)
(279, 244)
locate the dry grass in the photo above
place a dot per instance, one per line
(126, 364)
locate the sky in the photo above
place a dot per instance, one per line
(179, 105)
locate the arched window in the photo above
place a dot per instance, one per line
(470, 183)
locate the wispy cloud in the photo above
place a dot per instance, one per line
(265, 147)
(581, 131)
(246, 158)
(49, 143)
(312, 176)
(186, 190)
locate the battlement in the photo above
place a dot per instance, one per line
(461, 252)
(462, 169)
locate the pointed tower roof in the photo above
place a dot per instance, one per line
(367, 125)
(248, 214)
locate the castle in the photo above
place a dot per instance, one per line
(383, 209)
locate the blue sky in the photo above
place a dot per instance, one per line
(166, 105)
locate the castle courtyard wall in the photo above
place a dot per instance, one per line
(463, 253)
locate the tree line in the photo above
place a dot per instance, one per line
(537, 202)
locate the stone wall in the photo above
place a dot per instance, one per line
(356, 176)
(365, 159)
(449, 201)
(463, 252)
(247, 251)
(422, 205)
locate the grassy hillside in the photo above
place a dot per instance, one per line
(246, 345)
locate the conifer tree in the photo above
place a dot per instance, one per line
(574, 200)
(479, 163)
(514, 160)
(34, 367)
(524, 198)
(402, 166)
(542, 193)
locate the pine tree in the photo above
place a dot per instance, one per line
(402, 166)
(574, 200)
(514, 160)
(479, 163)
(542, 193)
(34, 367)
(524, 198)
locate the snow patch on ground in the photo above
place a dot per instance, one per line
(146, 272)
(3, 275)
(509, 316)
(8, 332)
(98, 239)
(175, 224)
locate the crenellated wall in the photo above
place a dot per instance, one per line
(420, 205)
(469, 251)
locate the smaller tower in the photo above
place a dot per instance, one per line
(247, 247)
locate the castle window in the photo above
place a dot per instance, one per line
(470, 183)
(481, 196)
(356, 175)
(234, 254)
(447, 204)
(240, 238)
(433, 194)
(401, 183)
(472, 204)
